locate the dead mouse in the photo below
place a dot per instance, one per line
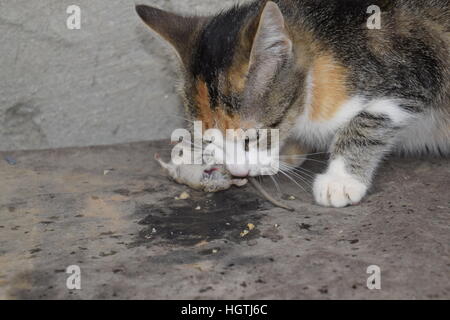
(206, 178)
(210, 179)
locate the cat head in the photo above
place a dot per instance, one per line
(240, 69)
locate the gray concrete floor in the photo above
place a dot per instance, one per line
(112, 212)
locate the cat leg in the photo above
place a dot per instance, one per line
(356, 152)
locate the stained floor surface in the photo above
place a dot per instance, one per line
(112, 212)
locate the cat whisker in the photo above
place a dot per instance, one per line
(292, 179)
(299, 170)
(277, 186)
(305, 154)
(311, 177)
(298, 175)
(307, 159)
(307, 181)
(303, 179)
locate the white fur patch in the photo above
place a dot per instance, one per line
(319, 134)
(337, 188)
(429, 132)
(390, 108)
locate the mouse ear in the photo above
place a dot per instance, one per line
(179, 31)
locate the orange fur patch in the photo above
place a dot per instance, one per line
(329, 88)
(225, 121)
(237, 76)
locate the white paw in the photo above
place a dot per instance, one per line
(337, 188)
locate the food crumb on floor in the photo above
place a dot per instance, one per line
(244, 233)
(250, 227)
(183, 196)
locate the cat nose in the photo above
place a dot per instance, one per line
(238, 171)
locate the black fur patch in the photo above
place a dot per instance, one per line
(217, 45)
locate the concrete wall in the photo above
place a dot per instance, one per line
(110, 82)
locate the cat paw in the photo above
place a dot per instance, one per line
(338, 189)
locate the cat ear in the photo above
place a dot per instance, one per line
(271, 47)
(177, 30)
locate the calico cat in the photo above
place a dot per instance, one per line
(315, 71)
